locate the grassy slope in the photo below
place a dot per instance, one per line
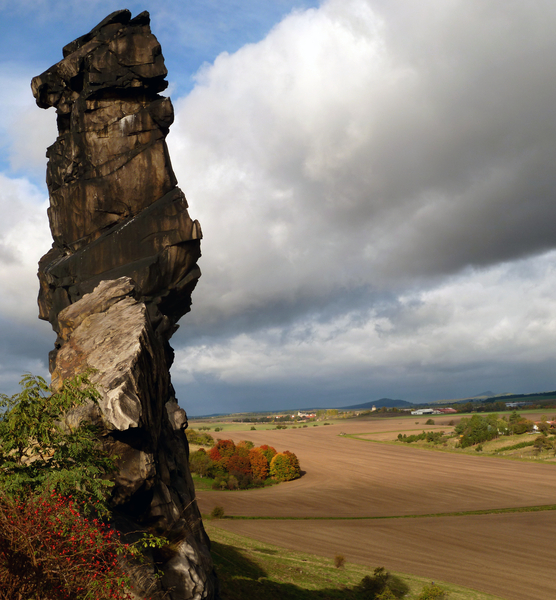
(251, 569)
(496, 447)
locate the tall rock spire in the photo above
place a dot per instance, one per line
(120, 275)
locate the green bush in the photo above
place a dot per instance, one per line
(339, 561)
(383, 585)
(217, 512)
(433, 437)
(429, 422)
(433, 592)
(199, 439)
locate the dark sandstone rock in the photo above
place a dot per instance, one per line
(120, 275)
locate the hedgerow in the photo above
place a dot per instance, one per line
(433, 437)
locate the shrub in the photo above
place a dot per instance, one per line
(49, 550)
(217, 512)
(429, 422)
(199, 439)
(339, 561)
(285, 466)
(542, 442)
(383, 585)
(375, 584)
(433, 592)
(253, 428)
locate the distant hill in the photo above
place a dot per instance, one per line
(488, 394)
(387, 402)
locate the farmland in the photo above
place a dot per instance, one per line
(408, 509)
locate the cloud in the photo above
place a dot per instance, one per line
(375, 182)
(26, 130)
(24, 238)
(363, 145)
(476, 326)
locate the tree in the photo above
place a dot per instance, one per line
(222, 450)
(285, 466)
(39, 450)
(259, 463)
(238, 463)
(478, 429)
(268, 451)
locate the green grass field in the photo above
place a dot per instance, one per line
(251, 569)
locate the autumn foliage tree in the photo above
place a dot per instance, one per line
(239, 464)
(285, 466)
(222, 449)
(243, 464)
(268, 451)
(259, 463)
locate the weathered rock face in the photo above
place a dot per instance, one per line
(120, 275)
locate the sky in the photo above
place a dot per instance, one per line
(375, 181)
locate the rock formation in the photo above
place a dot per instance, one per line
(120, 275)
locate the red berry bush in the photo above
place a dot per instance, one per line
(49, 551)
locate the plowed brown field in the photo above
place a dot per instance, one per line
(510, 555)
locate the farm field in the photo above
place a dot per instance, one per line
(509, 555)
